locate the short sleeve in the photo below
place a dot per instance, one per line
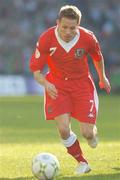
(39, 57)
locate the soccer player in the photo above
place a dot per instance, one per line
(69, 87)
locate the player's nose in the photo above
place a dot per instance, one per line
(68, 32)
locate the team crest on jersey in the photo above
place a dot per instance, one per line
(79, 52)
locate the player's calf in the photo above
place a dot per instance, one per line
(90, 134)
(93, 142)
(73, 148)
(91, 139)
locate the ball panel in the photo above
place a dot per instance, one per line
(45, 166)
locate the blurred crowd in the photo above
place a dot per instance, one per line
(22, 21)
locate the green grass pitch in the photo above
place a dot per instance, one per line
(24, 133)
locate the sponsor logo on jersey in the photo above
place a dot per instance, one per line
(91, 115)
(79, 52)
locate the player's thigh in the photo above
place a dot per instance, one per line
(85, 103)
(88, 130)
(55, 107)
(63, 124)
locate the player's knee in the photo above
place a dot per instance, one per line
(87, 134)
(64, 132)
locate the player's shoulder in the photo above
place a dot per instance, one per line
(46, 37)
(49, 32)
(85, 31)
(87, 34)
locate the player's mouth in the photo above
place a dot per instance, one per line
(68, 38)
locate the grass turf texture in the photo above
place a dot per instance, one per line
(24, 133)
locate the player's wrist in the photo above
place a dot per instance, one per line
(102, 77)
(44, 82)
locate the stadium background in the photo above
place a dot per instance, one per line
(23, 130)
(21, 23)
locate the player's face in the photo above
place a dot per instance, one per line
(67, 28)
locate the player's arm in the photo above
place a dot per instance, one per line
(98, 61)
(49, 87)
(103, 81)
(38, 61)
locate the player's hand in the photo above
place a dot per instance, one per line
(105, 84)
(51, 89)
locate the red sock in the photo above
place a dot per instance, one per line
(76, 152)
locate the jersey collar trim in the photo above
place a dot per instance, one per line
(67, 46)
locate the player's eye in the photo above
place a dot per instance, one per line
(72, 28)
(65, 27)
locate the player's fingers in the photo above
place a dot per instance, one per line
(53, 90)
(108, 89)
(105, 86)
(52, 95)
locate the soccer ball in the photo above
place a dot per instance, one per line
(45, 166)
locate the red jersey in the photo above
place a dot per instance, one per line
(65, 59)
